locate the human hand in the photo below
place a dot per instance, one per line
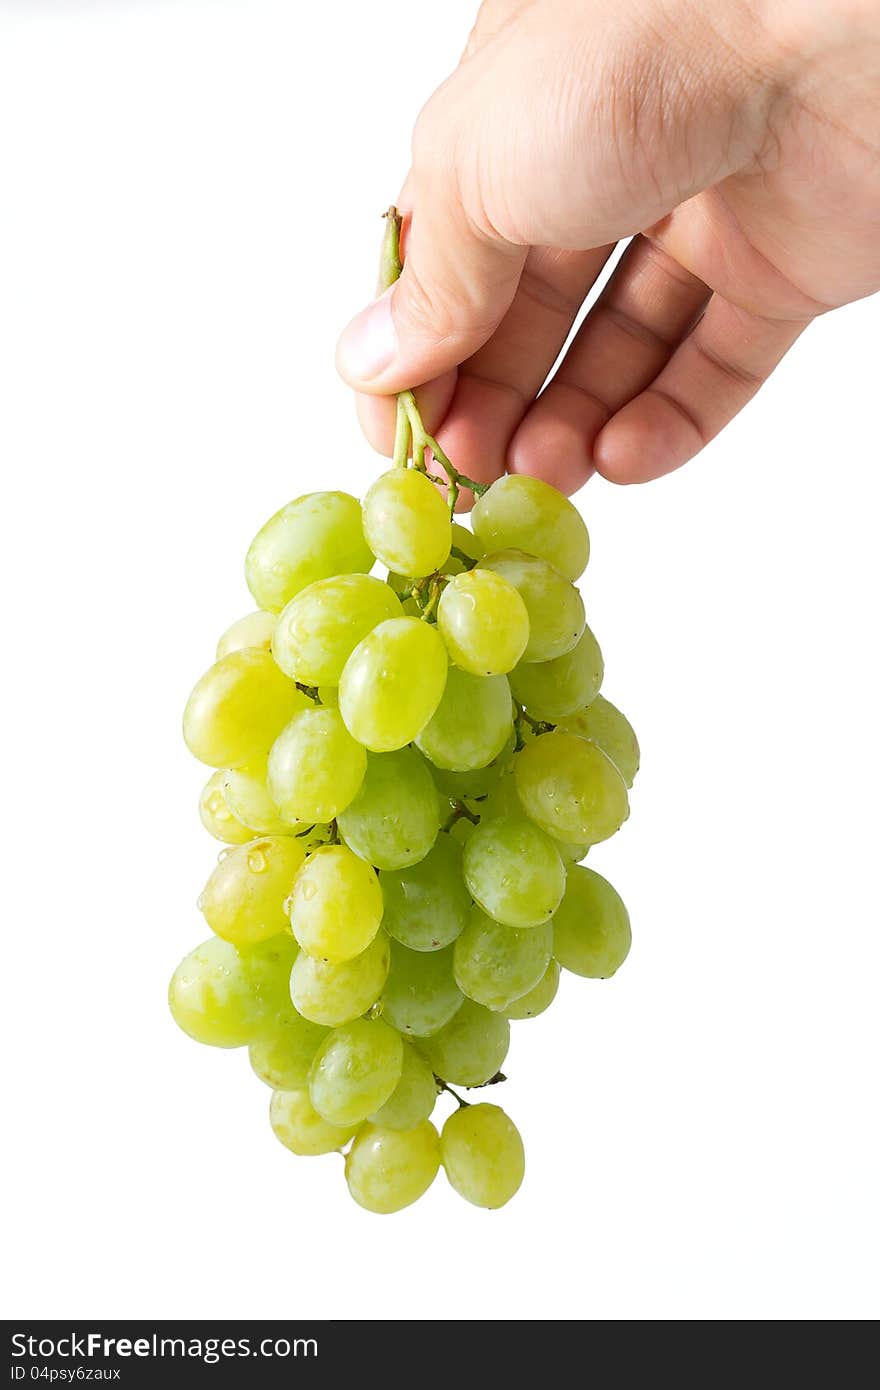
(737, 142)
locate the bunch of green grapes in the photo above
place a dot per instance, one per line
(409, 766)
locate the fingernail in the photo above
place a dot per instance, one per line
(369, 344)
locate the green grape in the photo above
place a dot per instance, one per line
(420, 994)
(253, 630)
(329, 696)
(471, 724)
(552, 689)
(603, 724)
(216, 815)
(315, 767)
(210, 998)
(483, 1155)
(503, 799)
(355, 1071)
(483, 622)
(495, 965)
(336, 994)
(570, 852)
(392, 683)
(320, 628)
(427, 906)
(479, 781)
(414, 1096)
(394, 819)
(225, 997)
(472, 1047)
(243, 900)
(238, 708)
(284, 1053)
(538, 999)
(554, 606)
(513, 870)
(296, 1122)
(400, 584)
(570, 788)
(591, 931)
(465, 541)
(389, 1169)
(520, 513)
(462, 829)
(336, 907)
(406, 523)
(248, 798)
(267, 966)
(311, 538)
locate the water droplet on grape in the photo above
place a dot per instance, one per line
(224, 853)
(200, 902)
(257, 862)
(308, 890)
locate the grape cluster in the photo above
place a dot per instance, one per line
(409, 771)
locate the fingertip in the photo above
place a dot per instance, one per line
(376, 417)
(555, 440)
(368, 346)
(645, 440)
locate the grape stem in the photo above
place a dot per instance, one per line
(310, 690)
(411, 439)
(442, 1086)
(537, 726)
(461, 811)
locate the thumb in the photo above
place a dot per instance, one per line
(456, 286)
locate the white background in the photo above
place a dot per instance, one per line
(189, 200)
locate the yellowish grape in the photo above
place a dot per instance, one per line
(495, 965)
(337, 904)
(389, 1169)
(465, 541)
(355, 1071)
(336, 994)
(315, 767)
(216, 815)
(603, 724)
(484, 622)
(243, 900)
(248, 798)
(514, 872)
(554, 606)
(311, 538)
(392, 683)
(284, 1052)
(552, 689)
(523, 513)
(406, 523)
(483, 1155)
(591, 930)
(320, 628)
(238, 708)
(225, 997)
(570, 788)
(296, 1122)
(538, 999)
(253, 630)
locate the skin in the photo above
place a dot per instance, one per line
(737, 143)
